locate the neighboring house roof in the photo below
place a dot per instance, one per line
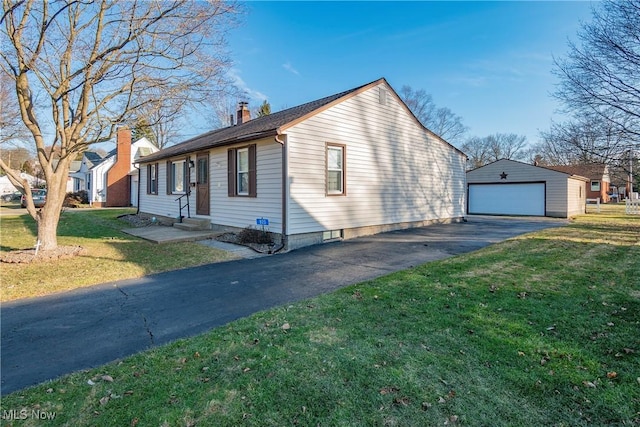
(143, 151)
(591, 171)
(92, 158)
(75, 166)
(270, 125)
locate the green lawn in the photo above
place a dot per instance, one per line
(109, 254)
(538, 330)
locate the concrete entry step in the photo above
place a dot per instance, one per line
(193, 224)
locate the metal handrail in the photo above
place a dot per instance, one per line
(186, 205)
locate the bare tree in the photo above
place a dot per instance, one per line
(16, 157)
(581, 141)
(441, 121)
(600, 78)
(12, 129)
(477, 150)
(224, 105)
(79, 68)
(482, 151)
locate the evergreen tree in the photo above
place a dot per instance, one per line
(265, 109)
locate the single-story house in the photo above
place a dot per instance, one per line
(508, 187)
(599, 185)
(112, 180)
(351, 164)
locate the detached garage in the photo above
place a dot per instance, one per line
(507, 187)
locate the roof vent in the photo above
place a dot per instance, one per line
(382, 96)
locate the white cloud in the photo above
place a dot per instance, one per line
(253, 94)
(287, 66)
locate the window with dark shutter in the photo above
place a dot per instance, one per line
(176, 177)
(241, 171)
(152, 178)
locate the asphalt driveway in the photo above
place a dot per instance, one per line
(44, 338)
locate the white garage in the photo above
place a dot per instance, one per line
(508, 187)
(507, 199)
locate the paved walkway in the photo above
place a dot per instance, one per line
(238, 250)
(165, 234)
(43, 338)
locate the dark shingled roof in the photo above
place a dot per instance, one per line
(93, 158)
(253, 129)
(591, 171)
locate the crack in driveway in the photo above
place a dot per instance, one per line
(147, 328)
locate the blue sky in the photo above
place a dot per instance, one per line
(489, 62)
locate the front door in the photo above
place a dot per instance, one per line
(202, 184)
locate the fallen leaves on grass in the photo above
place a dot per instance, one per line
(27, 256)
(401, 401)
(387, 390)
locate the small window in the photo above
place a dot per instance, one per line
(176, 178)
(243, 171)
(595, 185)
(331, 234)
(202, 172)
(242, 177)
(335, 170)
(152, 178)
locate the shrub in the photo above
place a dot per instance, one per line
(253, 235)
(73, 200)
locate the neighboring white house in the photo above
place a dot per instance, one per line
(508, 187)
(7, 187)
(112, 180)
(351, 164)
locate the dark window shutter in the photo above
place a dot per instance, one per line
(252, 171)
(186, 175)
(169, 177)
(148, 179)
(231, 172)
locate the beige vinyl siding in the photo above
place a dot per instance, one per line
(395, 171)
(556, 182)
(224, 210)
(576, 201)
(243, 211)
(162, 203)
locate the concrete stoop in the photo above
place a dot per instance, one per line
(193, 224)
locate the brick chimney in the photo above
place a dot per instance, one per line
(118, 180)
(244, 115)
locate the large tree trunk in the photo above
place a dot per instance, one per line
(48, 228)
(48, 217)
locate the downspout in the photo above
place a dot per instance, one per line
(138, 204)
(285, 173)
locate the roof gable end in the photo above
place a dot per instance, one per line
(274, 124)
